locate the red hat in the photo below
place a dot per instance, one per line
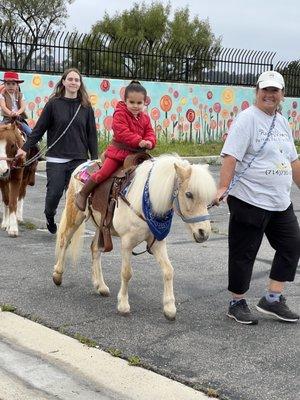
(11, 76)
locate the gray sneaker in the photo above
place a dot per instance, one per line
(278, 309)
(241, 313)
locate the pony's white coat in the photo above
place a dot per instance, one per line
(168, 172)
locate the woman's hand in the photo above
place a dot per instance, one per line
(219, 196)
(21, 154)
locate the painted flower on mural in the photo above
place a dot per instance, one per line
(147, 101)
(31, 123)
(217, 107)
(294, 104)
(244, 105)
(235, 109)
(179, 109)
(294, 114)
(122, 93)
(166, 123)
(37, 100)
(173, 117)
(97, 113)
(224, 113)
(210, 110)
(51, 84)
(31, 106)
(106, 105)
(46, 98)
(183, 101)
(108, 121)
(105, 85)
(213, 124)
(175, 94)
(114, 103)
(190, 115)
(170, 90)
(197, 126)
(195, 101)
(227, 96)
(97, 126)
(166, 103)
(209, 95)
(155, 114)
(39, 112)
(93, 99)
(37, 81)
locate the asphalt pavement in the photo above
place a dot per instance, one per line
(202, 348)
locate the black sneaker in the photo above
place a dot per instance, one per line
(278, 309)
(51, 225)
(241, 313)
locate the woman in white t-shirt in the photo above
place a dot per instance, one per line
(12, 101)
(260, 152)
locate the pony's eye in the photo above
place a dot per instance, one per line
(189, 195)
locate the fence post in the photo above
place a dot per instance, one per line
(187, 69)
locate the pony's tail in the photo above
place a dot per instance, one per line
(70, 218)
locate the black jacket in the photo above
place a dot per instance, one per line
(79, 140)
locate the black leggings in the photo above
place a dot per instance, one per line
(58, 177)
(247, 226)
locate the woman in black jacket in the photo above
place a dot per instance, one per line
(78, 143)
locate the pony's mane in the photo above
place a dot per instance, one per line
(162, 182)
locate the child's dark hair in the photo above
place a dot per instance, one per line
(135, 86)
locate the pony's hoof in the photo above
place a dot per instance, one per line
(13, 234)
(104, 291)
(124, 311)
(170, 313)
(57, 278)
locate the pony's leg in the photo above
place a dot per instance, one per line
(22, 194)
(159, 250)
(12, 228)
(98, 280)
(126, 274)
(5, 200)
(67, 228)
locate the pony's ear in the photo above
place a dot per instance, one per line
(183, 173)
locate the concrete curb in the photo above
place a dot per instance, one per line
(49, 349)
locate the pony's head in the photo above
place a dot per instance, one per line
(10, 141)
(196, 189)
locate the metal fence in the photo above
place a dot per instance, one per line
(103, 56)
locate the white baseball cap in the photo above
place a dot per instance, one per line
(270, 79)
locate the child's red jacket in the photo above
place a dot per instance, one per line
(129, 131)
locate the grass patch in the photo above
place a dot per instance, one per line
(28, 225)
(8, 308)
(212, 393)
(84, 340)
(115, 352)
(134, 360)
(187, 149)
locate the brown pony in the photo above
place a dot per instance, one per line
(13, 177)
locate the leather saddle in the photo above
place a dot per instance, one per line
(105, 197)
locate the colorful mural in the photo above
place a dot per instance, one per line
(188, 112)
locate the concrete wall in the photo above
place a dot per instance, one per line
(178, 111)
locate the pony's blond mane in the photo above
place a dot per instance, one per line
(162, 180)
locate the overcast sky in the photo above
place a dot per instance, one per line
(272, 25)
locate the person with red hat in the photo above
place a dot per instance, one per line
(12, 102)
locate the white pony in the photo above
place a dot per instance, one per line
(173, 182)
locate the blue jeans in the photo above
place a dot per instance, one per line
(25, 128)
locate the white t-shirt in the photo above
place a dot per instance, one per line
(267, 183)
(13, 100)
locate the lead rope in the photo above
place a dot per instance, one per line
(44, 150)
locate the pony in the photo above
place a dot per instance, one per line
(172, 182)
(13, 178)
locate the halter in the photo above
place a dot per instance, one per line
(176, 206)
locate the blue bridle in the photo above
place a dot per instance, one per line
(188, 220)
